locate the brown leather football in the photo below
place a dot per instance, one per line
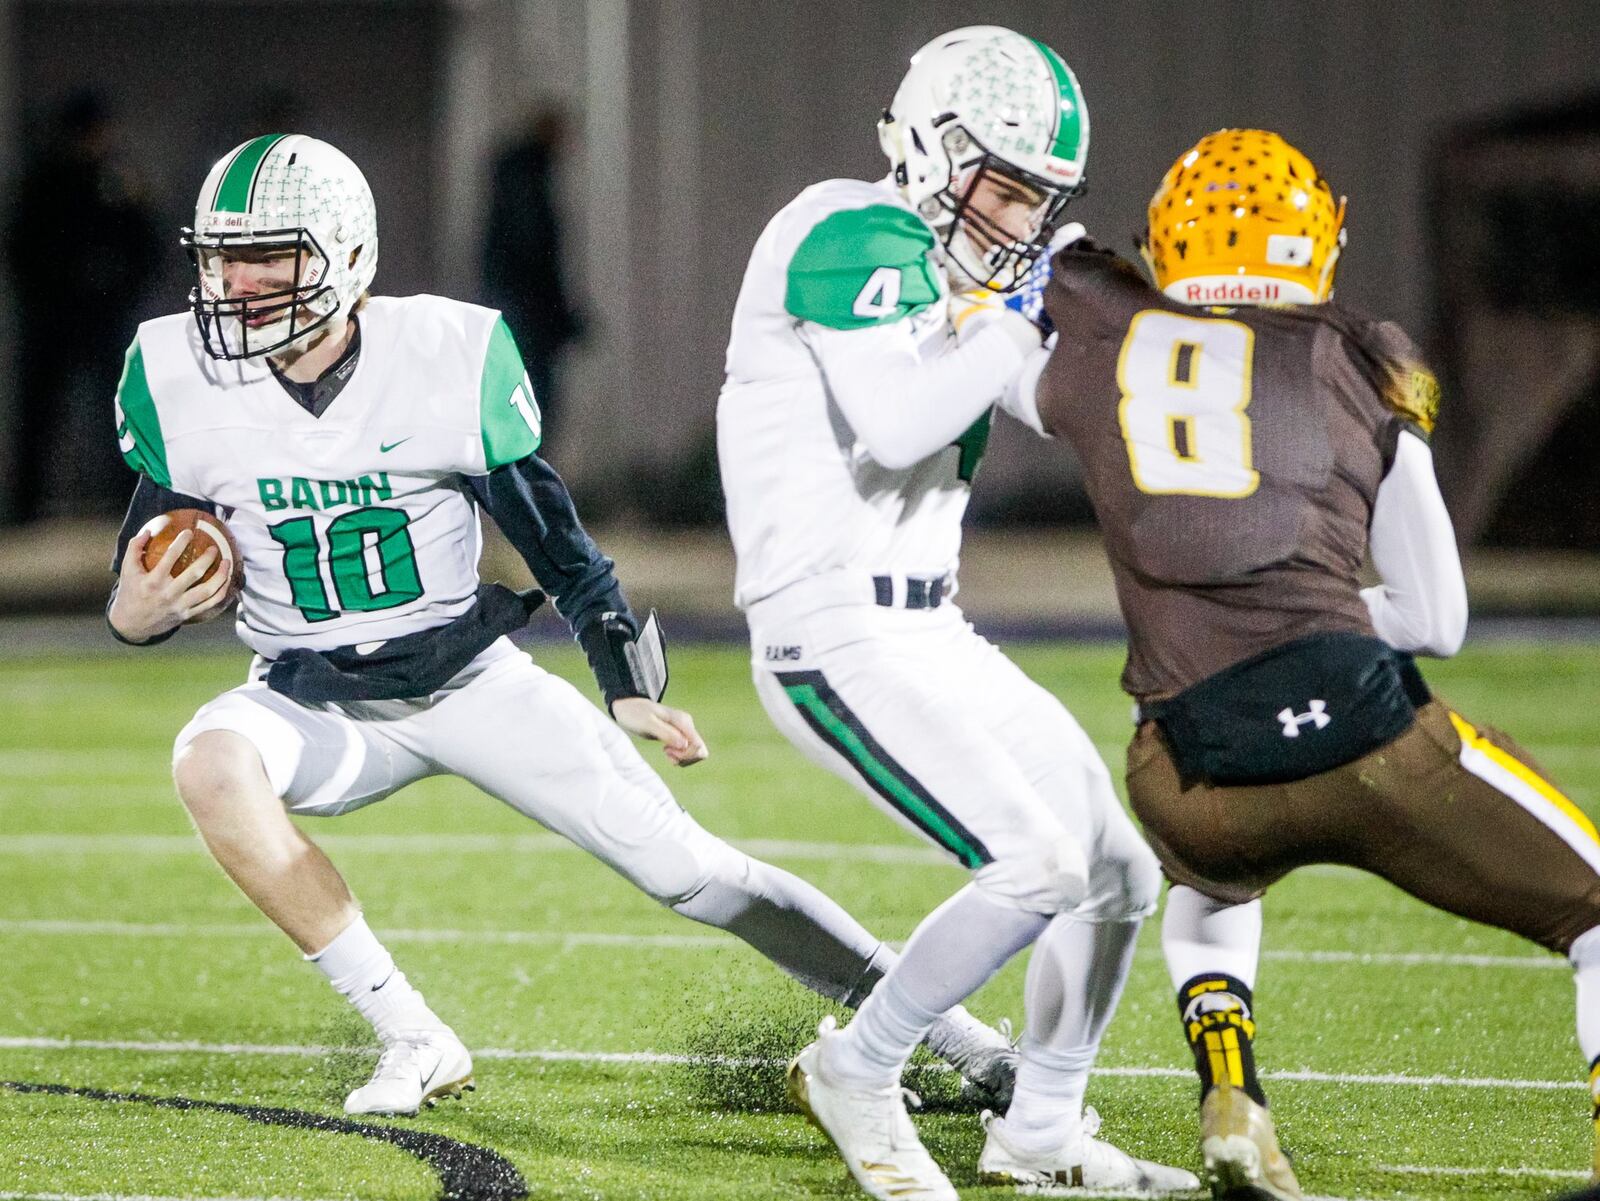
(209, 531)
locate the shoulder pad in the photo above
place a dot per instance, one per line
(509, 420)
(1410, 388)
(138, 424)
(861, 267)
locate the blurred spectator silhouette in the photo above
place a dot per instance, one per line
(522, 273)
(82, 243)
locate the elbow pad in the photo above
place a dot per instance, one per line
(625, 661)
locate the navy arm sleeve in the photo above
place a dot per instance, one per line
(531, 505)
(150, 500)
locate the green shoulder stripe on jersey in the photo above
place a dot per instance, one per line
(507, 409)
(1069, 117)
(863, 267)
(138, 424)
(238, 181)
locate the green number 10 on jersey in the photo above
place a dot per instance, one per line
(367, 554)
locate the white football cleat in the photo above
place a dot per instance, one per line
(1084, 1161)
(870, 1127)
(416, 1067)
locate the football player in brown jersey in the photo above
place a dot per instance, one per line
(1245, 442)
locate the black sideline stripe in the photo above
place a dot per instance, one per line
(842, 711)
(467, 1173)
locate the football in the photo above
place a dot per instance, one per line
(209, 531)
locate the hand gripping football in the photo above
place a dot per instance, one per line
(209, 531)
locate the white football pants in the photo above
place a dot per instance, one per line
(947, 735)
(532, 740)
(505, 724)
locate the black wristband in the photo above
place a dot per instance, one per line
(605, 641)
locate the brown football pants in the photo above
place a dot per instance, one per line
(1455, 815)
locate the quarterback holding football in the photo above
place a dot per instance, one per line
(350, 443)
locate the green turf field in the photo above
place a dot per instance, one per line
(1408, 1054)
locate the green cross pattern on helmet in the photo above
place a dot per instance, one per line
(234, 188)
(830, 273)
(138, 424)
(1069, 118)
(507, 408)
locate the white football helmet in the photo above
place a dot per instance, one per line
(986, 101)
(281, 192)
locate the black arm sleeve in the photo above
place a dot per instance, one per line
(150, 500)
(531, 505)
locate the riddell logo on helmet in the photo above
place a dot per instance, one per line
(1253, 293)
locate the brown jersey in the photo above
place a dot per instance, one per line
(1232, 457)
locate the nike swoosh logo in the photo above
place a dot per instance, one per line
(384, 981)
(386, 447)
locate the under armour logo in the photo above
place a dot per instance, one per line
(1316, 715)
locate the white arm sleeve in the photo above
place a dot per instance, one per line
(1021, 397)
(1421, 605)
(904, 408)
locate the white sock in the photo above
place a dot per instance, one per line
(1585, 957)
(954, 952)
(1047, 1107)
(1075, 978)
(874, 1047)
(357, 964)
(1201, 936)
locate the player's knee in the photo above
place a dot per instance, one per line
(680, 869)
(1135, 885)
(214, 765)
(1050, 876)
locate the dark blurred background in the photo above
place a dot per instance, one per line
(601, 168)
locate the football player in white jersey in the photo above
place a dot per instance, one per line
(350, 442)
(878, 325)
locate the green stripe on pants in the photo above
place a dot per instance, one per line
(841, 730)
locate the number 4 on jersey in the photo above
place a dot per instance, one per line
(1185, 385)
(880, 296)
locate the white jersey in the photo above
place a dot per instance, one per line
(804, 496)
(355, 526)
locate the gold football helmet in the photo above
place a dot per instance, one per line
(1244, 218)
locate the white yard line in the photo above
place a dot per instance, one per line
(1414, 1169)
(661, 1057)
(186, 844)
(581, 938)
(572, 938)
(127, 1197)
(1422, 959)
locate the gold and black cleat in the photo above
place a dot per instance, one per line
(1239, 1145)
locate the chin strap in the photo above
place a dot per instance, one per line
(626, 661)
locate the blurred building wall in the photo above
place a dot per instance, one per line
(187, 80)
(787, 94)
(701, 118)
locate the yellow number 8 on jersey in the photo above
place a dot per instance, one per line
(1185, 385)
